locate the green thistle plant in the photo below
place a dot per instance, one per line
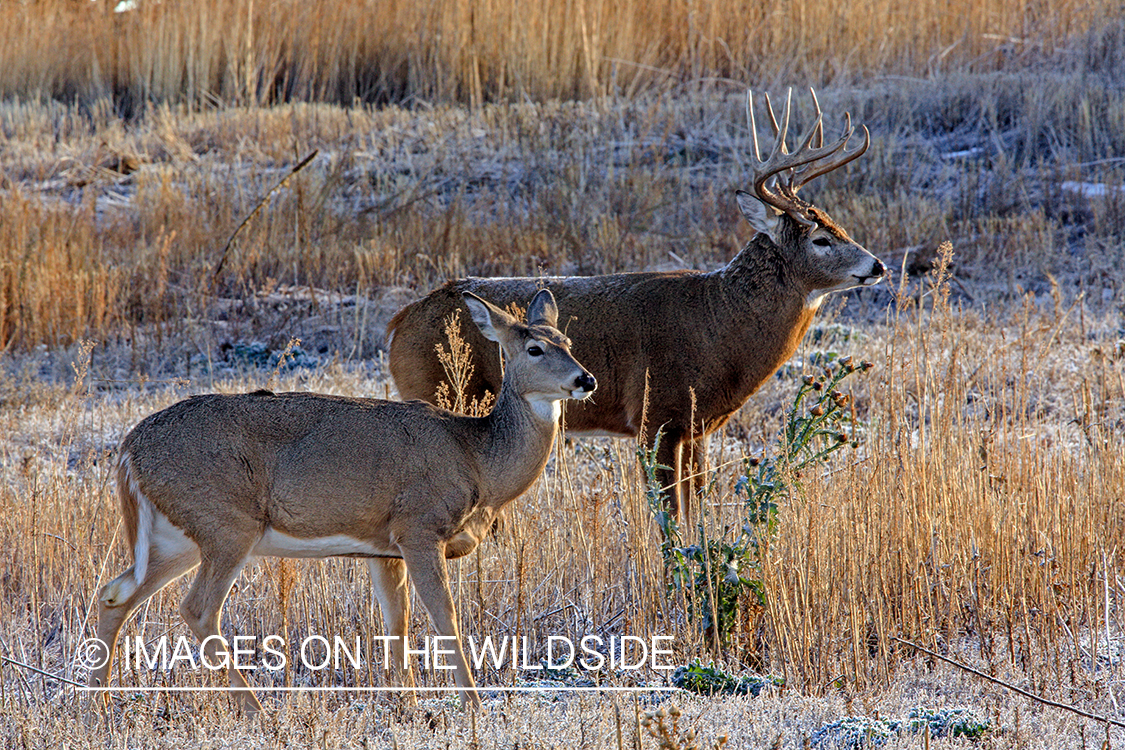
(719, 574)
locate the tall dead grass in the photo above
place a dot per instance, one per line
(980, 517)
(240, 52)
(405, 199)
(984, 516)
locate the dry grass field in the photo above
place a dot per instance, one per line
(242, 52)
(981, 515)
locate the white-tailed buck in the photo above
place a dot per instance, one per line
(217, 480)
(694, 345)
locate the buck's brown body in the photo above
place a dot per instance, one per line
(675, 352)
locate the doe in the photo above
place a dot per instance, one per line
(217, 480)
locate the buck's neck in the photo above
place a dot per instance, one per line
(768, 306)
(517, 439)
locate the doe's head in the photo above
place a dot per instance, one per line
(536, 355)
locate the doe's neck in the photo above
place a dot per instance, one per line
(518, 441)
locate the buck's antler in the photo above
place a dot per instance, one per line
(791, 171)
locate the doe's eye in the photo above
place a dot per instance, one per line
(822, 242)
(534, 351)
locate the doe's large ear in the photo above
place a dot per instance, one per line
(491, 320)
(543, 309)
(763, 218)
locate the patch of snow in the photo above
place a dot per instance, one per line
(966, 154)
(1091, 189)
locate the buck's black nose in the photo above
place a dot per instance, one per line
(586, 382)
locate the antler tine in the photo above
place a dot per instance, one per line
(779, 132)
(819, 119)
(773, 119)
(816, 128)
(843, 156)
(753, 125)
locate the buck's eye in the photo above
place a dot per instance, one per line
(534, 351)
(822, 242)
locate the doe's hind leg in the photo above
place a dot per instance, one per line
(203, 606)
(121, 597)
(393, 592)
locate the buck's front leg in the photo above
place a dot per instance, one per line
(670, 454)
(425, 560)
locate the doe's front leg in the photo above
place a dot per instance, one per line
(425, 560)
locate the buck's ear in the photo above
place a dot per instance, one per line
(763, 218)
(491, 320)
(543, 310)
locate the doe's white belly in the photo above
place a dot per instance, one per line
(276, 543)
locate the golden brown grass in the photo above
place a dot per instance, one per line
(994, 446)
(398, 199)
(981, 517)
(240, 52)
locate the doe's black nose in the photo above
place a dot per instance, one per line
(586, 382)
